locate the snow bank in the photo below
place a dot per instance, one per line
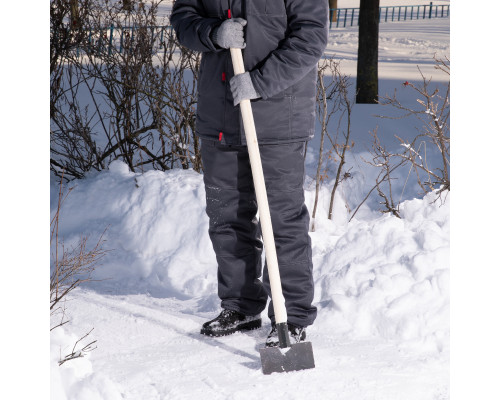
(385, 277)
(388, 277)
(155, 225)
(75, 379)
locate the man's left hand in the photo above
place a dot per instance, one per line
(242, 88)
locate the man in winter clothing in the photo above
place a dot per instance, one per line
(282, 41)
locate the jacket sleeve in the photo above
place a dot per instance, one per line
(192, 26)
(298, 53)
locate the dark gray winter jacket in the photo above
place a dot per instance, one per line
(284, 41)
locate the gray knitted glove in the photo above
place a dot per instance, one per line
(242, 88)
(229, 34)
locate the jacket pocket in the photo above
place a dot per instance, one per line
(273, 118)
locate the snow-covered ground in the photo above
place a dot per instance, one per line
(382, 283)
(402, 45)
(382, 289)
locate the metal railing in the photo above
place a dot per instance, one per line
(107, 40)
(342, 17)
(120, 39)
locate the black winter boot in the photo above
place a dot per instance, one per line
(297, 334)
(230, 321)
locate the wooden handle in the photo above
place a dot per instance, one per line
(261, 194)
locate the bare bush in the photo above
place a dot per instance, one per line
(332, 99)
(382, 159)
(79, 351)
(434, 113)
(70, 267)
(433, 135)
(127, 92)
(68, 30)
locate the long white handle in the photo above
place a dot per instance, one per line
(260, 191)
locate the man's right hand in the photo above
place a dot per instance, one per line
(230, 34)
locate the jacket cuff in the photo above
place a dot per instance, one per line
(209, 25)
(259, 88)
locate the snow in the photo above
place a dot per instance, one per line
(76, 379)
(381, 283)
(401, 45)
(382, 290)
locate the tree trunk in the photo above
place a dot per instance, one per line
(367, 74)
(333, 15)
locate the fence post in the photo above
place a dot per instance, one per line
(121, 41)
(352, 16)
(99, 41)
(345, 16)
(152, 38)
(110, 39)
(430, 10)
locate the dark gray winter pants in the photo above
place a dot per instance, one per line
(235, 231)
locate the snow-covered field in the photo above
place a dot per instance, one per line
(382, 283)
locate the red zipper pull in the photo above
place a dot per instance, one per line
(229, 13)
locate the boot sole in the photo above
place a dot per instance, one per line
(247, 326)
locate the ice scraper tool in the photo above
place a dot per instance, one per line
(286, 357)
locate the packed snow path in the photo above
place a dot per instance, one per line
(151, 349)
